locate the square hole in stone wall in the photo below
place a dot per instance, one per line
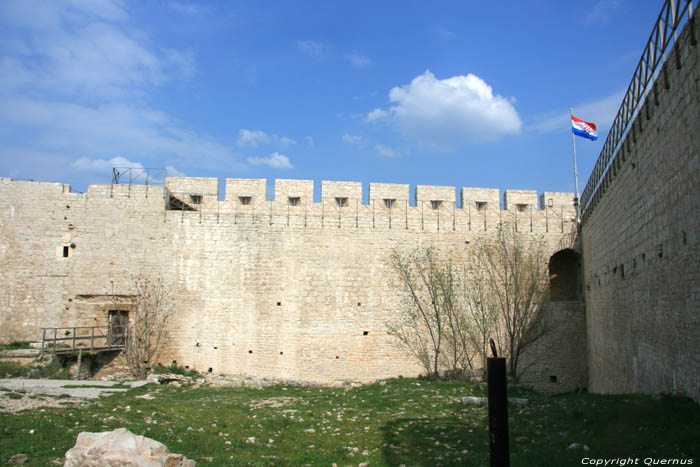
(365, 333)
(553, 379)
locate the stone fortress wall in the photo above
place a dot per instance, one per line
(286, 288)
(297, 289)
(641, 242)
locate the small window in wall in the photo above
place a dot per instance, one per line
(196, 199)
(342, 202)
(521, 207)
(481, 205)
(550, 202)
(244, 200)
(66, 251)
(389, 202)
(435, 204)
(294, 201)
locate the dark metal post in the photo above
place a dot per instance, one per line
(498, 410)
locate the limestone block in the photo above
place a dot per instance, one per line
(121, 448)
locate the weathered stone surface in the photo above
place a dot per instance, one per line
(641, 245)
(263, 291)
(121, 448)
(17, 459)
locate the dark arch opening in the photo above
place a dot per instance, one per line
(564, 276)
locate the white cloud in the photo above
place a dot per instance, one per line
(112, 128)
(252, 138)
(171, 171)
(357, 59)
(601, 112)
(601, 12)
(189, 9)
(350, 139)
(309, 140)
(312, 48)
(376, 114)
(445, 33)
(75, 77)
(86, 48)
(275, 161)
(255, 138)
(387, 151)
(103, 166)
(445, 114)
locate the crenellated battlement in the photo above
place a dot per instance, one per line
(341, 205)
(301, 193)
(204, 194)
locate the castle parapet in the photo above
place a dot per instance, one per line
(196, 193)
(246, 191)
(389, 195)
(341, 191)
(435, 195)
(522, 200)
(294, 192)
(480, 199)
(551, 199)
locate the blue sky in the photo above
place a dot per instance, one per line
(466, 93)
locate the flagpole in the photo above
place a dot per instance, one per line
(576, 200)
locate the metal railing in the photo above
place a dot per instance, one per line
(664, 35)
(76, 339)
(138, 175)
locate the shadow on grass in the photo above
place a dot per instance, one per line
(431, 441)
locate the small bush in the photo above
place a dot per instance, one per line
(13, 370)
(175, 370)
(16, 345)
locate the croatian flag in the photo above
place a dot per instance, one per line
(585, 129)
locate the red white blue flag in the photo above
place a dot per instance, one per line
(585, 129)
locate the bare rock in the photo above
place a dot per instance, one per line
(121, 448)
(474, 400)
(17, 459)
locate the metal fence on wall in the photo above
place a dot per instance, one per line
(674, 15)
(138, 175)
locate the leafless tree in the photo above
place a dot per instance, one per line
(480, 314)
(147, 324)
(432, 323)
(513, 268)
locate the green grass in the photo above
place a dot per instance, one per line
(15, 346)
(174, 369)
(406, 421)
(13, 369)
